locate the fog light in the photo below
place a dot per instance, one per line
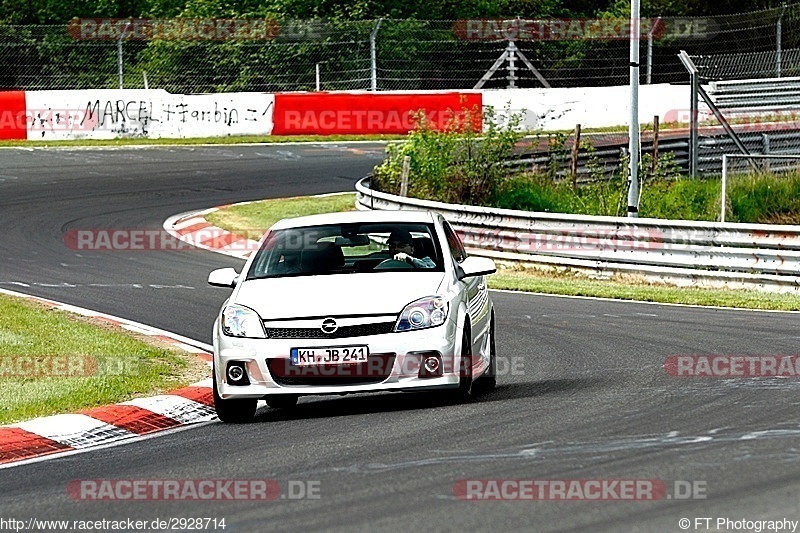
(432, 364)
(237, 374)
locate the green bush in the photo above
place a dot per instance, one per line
(764, 198)
(534, 192)
(462, 166)
(681, 199)
(457, 165)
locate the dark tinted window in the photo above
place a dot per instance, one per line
(341, 248)
(454, 242)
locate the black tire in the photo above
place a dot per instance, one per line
(236, 411)
(281, 401)
(464, 391)
(488, 381)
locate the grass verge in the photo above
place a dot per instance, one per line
(574, 284)
(758, 198)
(253, 219)
(56, 362)
(257, 216)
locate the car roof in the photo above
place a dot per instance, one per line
(356, 216)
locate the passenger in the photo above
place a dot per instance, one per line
(401, 247)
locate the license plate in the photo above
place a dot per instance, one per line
(338, 355)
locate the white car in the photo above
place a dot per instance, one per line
(353, 302)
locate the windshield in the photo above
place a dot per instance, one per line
(347, 248)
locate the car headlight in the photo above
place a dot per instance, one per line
(427, 312)
(241, 321)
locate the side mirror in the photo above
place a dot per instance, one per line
(223, 277)
(476, 266)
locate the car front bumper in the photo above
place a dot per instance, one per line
(395, 361)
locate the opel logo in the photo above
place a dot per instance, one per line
(329, 326)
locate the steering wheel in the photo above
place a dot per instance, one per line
(392, 264)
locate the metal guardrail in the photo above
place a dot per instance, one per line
(709, 254)
(764, 114)
(775, 139)
(757, 142)
(602, 163)
(775, 93)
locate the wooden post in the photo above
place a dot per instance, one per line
(655, 146)
(575, 148)
(404, 176)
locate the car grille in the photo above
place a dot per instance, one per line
(375, 370)
(359, 330)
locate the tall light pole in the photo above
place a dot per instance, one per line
(633, 127)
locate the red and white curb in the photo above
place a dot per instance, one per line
(100, 426)
(194, 229)
(90, 428)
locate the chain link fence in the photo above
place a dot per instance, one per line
(394, 54)
(747, 103)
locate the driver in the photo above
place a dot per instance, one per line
(401, 247)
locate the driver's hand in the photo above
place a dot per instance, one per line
(401, 256)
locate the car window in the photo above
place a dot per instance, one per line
(454, 243)
(344, 248)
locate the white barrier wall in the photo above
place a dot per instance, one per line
(110, 114)
(591, 107)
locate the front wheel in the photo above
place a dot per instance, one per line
(234, 410)
(464, 390)
(488, 381)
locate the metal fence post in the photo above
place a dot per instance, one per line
(724, 187)
(694, 83)
(404, 176)
(778, 38)
(119, 59)
(119, 53)
(373, 55)
(633, 126)
(650, 51)
(512, 68)
(654, 162)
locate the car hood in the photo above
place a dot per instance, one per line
(337, 294)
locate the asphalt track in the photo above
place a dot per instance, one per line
(582, 394)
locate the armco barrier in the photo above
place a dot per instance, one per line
(710, 254)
